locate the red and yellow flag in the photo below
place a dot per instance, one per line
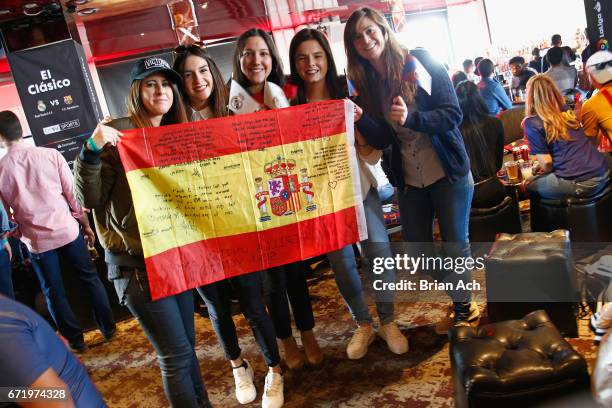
(224, 197)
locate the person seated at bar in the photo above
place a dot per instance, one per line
(457, 77)
(492, 92)
(33, 356)
(597, 110)
(483, 136)
(520, 73)
(569, 55)
(563, 76)
(37, 184)
(538, 63)
(569, 163)
(468, 70)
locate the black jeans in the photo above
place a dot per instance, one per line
(282, 282)
(218, 299)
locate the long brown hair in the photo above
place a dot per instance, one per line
(276, 75)
(331, 77)
(219, 96)
(545, 101)
(139, 115)
(375, 92)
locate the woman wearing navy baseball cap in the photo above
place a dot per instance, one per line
(101, 184)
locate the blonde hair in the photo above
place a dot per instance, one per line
(139, 115)
(371, 88)
(545, 101)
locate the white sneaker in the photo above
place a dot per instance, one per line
(361, 340)
(273, 396)
(396, 341)
(245, 389)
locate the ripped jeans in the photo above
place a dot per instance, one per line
(551, 187)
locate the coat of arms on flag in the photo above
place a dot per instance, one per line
(284, 190)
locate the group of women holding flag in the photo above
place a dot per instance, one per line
(430, 167)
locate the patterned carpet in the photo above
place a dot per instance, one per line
(126, 372)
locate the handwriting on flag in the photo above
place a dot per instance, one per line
(224, 197)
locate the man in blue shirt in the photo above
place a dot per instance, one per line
(32, 355)
(491, 91)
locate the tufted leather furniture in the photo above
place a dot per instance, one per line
(486, 223)
(515, 363)
(588, 219)
(530, 271)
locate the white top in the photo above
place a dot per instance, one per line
(203, 114)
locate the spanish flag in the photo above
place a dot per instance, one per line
(224, 197)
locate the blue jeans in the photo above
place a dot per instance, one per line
(345, 268)
(169, 326)
(552, 187)
(6, 280)
(47, 268)
(450, 202)
(218, 299)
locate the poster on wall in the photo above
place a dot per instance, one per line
(599, 23)
(57, 95)
(224, 197)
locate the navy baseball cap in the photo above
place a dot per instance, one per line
(152, 65)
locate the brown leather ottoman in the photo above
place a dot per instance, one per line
(513, 363)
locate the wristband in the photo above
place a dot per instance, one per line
(92, 146)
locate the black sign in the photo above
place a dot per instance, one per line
(599, 23)
(57, 95)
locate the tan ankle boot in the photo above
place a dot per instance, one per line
(314, 355)
(293, 357)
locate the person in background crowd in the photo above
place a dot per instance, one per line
(570, 164)
(537, 63)
(101, 184)
(457, 77)
(256, 61)
(483, 136)
(520, 73)
(33, 356)
(569, 55)
(596, 113)
(313, 69)
(468, 69)
(37, 184)
(206, 96)
(476, 62)
(6, 255)
(491, 91)
(428, 158)
(562, 75)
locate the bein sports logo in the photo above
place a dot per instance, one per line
(71, 124)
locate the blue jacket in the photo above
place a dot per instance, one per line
(494, 96)
(438, 115)
(5, 225)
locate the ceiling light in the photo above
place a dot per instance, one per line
(204, 5)
(142, 34)
(5, 11)
(87, 11)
